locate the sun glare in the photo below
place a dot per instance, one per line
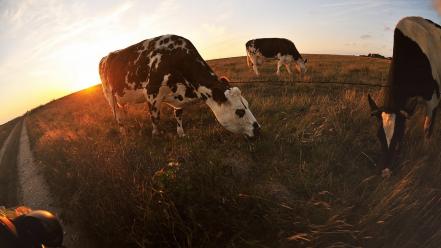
(79, 65)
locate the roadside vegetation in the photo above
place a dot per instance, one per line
(310, 180)
(5, 130)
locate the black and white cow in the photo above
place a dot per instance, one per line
(274, 48)
(415, 72)
(169, 69)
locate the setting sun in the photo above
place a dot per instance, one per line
(56, 46)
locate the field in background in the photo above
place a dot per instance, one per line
(309, 181)
(321, 68)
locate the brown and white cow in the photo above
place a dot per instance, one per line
(169, 69)
(274, 48)
(415, 72)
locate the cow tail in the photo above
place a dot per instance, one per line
(114, 105)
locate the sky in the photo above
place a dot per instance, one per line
(50, 48)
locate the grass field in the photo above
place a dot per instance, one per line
(309, 181)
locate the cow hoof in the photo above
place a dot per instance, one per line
(386, 173)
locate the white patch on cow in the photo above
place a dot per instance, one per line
(183, 46)
(145, 83)
(203, 90)
(131, 97)
(388, 125)
(301, 66)
(165, 79)
(428, 37)
(285, 59)
(155, 60)
(226, 113)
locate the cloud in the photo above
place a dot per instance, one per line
(365, 36)
(437, 6)
(351, 44)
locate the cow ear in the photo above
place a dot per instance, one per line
(235, 91)
(373, 106)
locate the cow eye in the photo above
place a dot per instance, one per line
(240, 112)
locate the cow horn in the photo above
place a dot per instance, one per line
(374, 108)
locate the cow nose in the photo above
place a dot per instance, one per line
(256, 129)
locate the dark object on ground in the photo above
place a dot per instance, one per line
(31, 230)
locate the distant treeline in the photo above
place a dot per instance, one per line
(376, 55)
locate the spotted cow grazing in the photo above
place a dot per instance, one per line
(169, 69)
(415, 72)
(274, 48)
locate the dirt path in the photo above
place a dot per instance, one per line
(34, 191)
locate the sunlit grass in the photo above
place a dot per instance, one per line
(310, 180)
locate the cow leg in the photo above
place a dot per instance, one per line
(249, 62)
(119, 113)
(121, 116)
(431, 107)
(255, 69)
(288, 68)
(178, 116)
(154, 106)
(428, 122)
(279, 64)
(253, 61)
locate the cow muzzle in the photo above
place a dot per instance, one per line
(256, 129)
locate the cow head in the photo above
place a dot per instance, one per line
(232, 111)
(301, 66)
(391, 127)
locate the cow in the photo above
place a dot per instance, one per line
(414, 75)
(168, 69)
(274, 48)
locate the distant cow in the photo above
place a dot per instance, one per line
(169, 69)
(415, 72)
(274, 48)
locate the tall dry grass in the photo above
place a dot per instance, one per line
(5, 130)
(310, 180)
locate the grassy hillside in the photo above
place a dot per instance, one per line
(310, 180)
